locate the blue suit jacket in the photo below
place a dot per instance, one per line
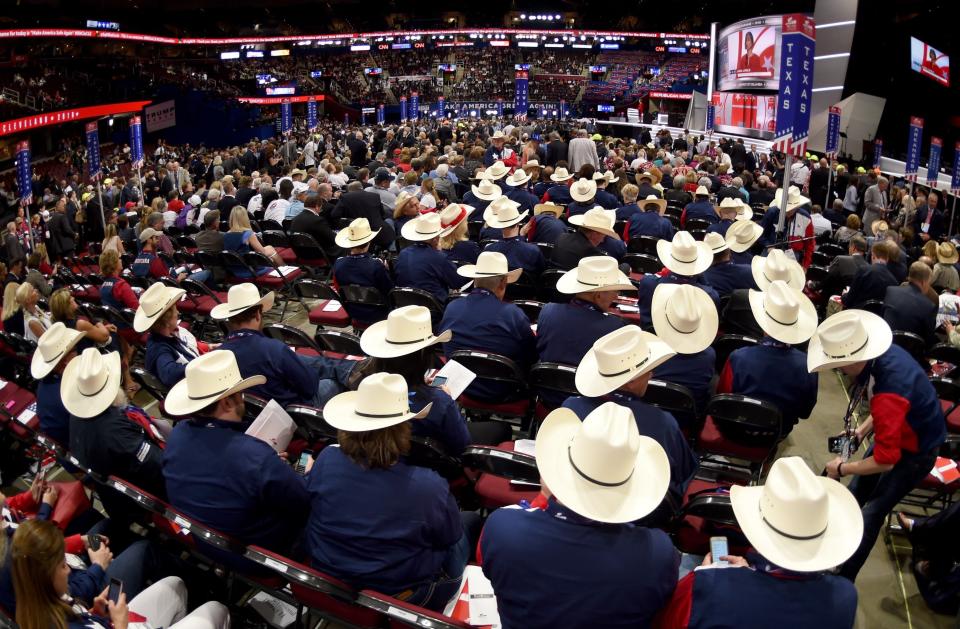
(420, 266)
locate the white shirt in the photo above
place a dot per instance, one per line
(821, 224)
(338, 180)
(308, 152)
(169, 218)
(277, 210)
(256, 202)
(799, 173)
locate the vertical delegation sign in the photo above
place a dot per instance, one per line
(955, 180)
(136, 142)
(796, 82)
(877, 152)
(933, 164)
(346, 119)
(833, 132)
(311, 114)
(520, 95)
(500, 107)
(93, 151)
(914, 140)
(24, 173)
(414, 112)
(440, 110)
(286, 116)
(711, 113)
(403, 109)
(563, 110)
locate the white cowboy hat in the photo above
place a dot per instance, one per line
(356, 234)
(684, 255)
(52, 346)
(518, 178)
(602, 468)
(784, 313)
(685, 317)
(405, 330)
(848, 337)
(494, 208)
(701, 192)
(652, 199)
(742, 234)
(506, 216)
(797, 520)
(209, 378)
(532, 164)
(716, 242)
(381, 401)
(561, 174)
(794, 198)
(730, 202)
(402, 199)
(422, 228)
(549, 207)
(452, 215)
(487, 190)
(583, 190)
(594, 274)
(90, 383)
(490, 264)
(777, 265)
(154, 302)
(619, 357)
(498, 170)
(610, 177)
(598, 220)
(744, 213)
(239, 298)
(498, 135)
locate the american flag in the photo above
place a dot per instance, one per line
(782, 144)
(799, 148)
(521, 117)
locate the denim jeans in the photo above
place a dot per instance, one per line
(878, 494)
(333, 372)
(200, 276)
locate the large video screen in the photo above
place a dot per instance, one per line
(748, 54)
(745, 114)
(929, 61)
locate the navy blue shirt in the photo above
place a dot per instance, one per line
(701, 209)
(548, 566)
(520, 254)
(721, 227)
(479, 205)
(559, 194)
(521, 196)
(54, 417)
(386, 529)
(576, 208)
(490, 233)
(727, 277)
(606, 200)
(289, 379)
(626, 211)
(364, 270)
(421, 266)
(694, 371)
(463, 252)
(167, 358)
(650, 224)
(443, 423)
(649, 284)
(548, 228)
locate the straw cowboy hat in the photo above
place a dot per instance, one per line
(794, 198)
(648, 176)
(784, 313)
(154, 302)
(560, 174)
(497, 171)
(848, 337)
(777, 265)
(730, 202)
(356, 234)
(583, 190)
(490, 264)
(532, 164)
(487, 190)
(381, 401)
(684, 317)
(208, 379)
(422, 228)
(594, 274)
(744, 212)
(716, 242)
(610, 177)
(549, 208)
(619, 357)
(518, 178)
(947, 253)
(879, 226)
(90, 383)
(506, 216)
(452, 215)
(52, 347)
(742, 234)
(403, 198)
(701, 192)
(405, 330)
(653, 199)
(684, 255)
(601, 468)
(598, 220)
(498, 135)
(239, 298)
(493, 210)
(797, 520)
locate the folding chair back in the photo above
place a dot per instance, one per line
(409, 296)
(401, 614)
(503, 463)
(339, 342)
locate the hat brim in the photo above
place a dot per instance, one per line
(142, 322)
(497, 224)
(744, 213)
(513, 183)
(374, 342)
(179, 403)
(495, 175)
(554, 177)
(226, 310)
(800, 331)
(681, 342)
(470, 271)
(837, 544)
(87, 406)
(341, 413)
(739, 247)
(543, 208)
(703, 261)
(660, 203)
(582, 198)
(409, 232)
(343, 239)
(631, 501)
(591, 383)
(568, 284)
(879, 339)
(578, 221)
(489, 215)
(797, 279)
(948, 259)
(468, 210)
(493, 196)
(40, 368)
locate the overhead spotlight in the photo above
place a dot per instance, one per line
(523, 16)
(110, 121)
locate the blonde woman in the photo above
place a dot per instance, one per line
(428, 195)
(12, 314)
(406, 207)
(241, 239)
(456, 244)
(111, 241)
(35, 320)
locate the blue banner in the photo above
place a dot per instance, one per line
(877, 152)
(93, 151)
(136, 142)
(500, 107)
(403, 109)
(440, 110)
(24, 173)
(381, 117)
(914, 141)
(311, 114)
(833, 132)
(286, 117)
(414, 108)
(521, 100)
(711, 113)
(933, 164)
(796, 81)
(955, 180)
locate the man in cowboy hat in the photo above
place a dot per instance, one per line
(359, 268)
(55, 350)
(648, 220)
(169, 346)
(492, 228)
(482, 321)
(787, 318)
(872, 281)
(700, 208)
(603, 198)
(519, 252)
(728, 214)
(685, 259)
(498, 151)
(421, 264)
(517, 192)
(291, 378)
(801, 526)
(906, 308)
(599, 470)
(484, 192)
(618, 369)
(593, 229)
(725, 275)
(798, 226)
(545, 226)
(368, 205)
(224, 478)
(645, 182)
(583, 192)
(559, 193)
(905, 417)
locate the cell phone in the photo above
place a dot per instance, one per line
(95, 542)
(116, 587)
(301, 465)
(718, 548)
(438, 381)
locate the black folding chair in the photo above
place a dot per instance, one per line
(409, 296)
(339, 342)
(643, 263)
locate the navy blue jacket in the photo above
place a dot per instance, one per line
(650, 224)
(694, 371)
(906, 309)
(626, 211)
(464, 252)
(701, 209)
(613, 247)
(721, 227)
(469, 198)
(443, 423)
(364, 270)
(575, 208)
(289, 379)
(727, 277)
(383, 529)
(420, 266)
(871, 282)
(520, 195)
(547, 566)
(163, 354)
(548, 229)
(649, 284)
(606, 200)
(54, 417)
(559, 194)
(520, 254)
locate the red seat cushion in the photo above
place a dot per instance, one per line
(496, 492)
(711, 440)
(307, 351)
(953, 419)
(287, 255)
(277, 283)
(516, 407)
(337, 318)
(206, 303)
(88, 293)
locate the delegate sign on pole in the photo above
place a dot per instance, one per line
(933, 164)
(914, 140)
(136, 142)
(24, 173)
(93, 151)
(833, 132)
(877, 152)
